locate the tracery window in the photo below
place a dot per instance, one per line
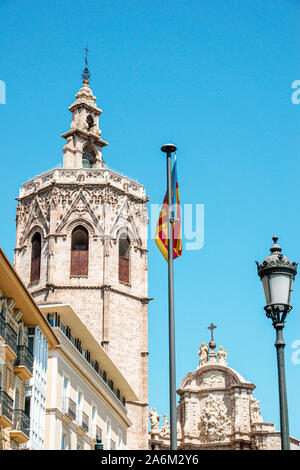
(36, 245)
(124, 252)
(79, 251)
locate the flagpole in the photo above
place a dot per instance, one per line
(169, 149)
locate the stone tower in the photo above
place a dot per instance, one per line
(81, 238)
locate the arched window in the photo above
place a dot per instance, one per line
(79, 252)
(88, 157)
(124, 250)
(36, 244)
(90, 122)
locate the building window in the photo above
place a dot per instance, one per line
(93, 422)
(17, 399)
(36, 245)
(88, 155)
(120, 440)
(27, 405)
(79, 407)
(124, 251)
(108, 433)
(30, 339)
(63, 441)
(79, 252)
(65, 394)
(51, 319)
(90, 122)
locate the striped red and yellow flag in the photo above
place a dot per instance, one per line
(161, 233)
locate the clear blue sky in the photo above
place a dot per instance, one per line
(213, 77)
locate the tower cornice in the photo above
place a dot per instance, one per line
(83, 177)
(90, 136)
(83, 102)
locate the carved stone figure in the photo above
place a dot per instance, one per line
(203, 354)
(165, 429)
(214, 422)
(256, 416)
(222, 355)
(154, 420)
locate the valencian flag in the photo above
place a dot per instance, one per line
(161, 233)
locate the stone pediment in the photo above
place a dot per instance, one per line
(35, 217)
(212, 376)
(80, 209)
(125, 219)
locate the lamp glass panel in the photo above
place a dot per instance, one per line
(279, 288)
(265, 282)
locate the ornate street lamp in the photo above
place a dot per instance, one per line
(277, 274)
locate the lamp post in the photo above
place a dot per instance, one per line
(277, 274)
(99, 445)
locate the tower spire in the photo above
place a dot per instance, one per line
(84, 143)
(86, 73)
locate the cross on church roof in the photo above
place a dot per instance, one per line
(211, 327)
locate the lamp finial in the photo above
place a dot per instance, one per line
(275, 248)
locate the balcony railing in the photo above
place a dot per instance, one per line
(84, 421)
(6, 405)
(21, 422)
(56, 322)
(10, 337)
(69, 407)
(24, 358)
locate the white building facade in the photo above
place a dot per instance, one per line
(86, 393)
(35, 389)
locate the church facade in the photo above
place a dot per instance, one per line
(216, 411)
(81, 239)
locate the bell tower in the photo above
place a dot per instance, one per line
(81, 239)
(84, 144)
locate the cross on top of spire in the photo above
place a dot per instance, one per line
(86, 53)
(86, 73)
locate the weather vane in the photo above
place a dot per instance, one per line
(86, 73)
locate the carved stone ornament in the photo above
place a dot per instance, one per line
(255, 413)
(214, 422)
(213, 380)
(203, 354)
(154, 420)
(165, 429)
(222, 356)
